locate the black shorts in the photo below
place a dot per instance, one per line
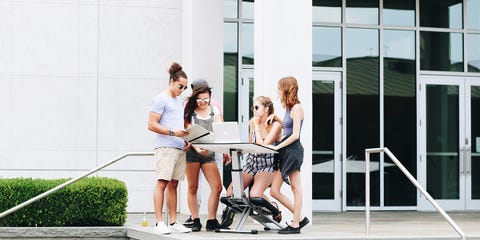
(290, 159)
(194, 156)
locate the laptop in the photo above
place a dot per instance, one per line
(226, 132)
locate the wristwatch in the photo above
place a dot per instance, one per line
(170, 132)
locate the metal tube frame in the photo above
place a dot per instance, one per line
(411, 178)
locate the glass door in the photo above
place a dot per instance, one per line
(326, 150)
(448, 124)
(472, 147)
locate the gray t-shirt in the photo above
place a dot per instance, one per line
(171, 112)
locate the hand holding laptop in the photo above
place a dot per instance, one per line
(198, 134)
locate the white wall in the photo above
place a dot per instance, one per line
(76, 80)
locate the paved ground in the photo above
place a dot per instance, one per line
(345, 225)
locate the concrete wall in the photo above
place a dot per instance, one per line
(76, 80)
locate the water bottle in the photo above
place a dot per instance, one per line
(144, 220)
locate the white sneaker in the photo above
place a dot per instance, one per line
(161, 228)
(179, 228)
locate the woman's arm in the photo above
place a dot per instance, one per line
(272, 135)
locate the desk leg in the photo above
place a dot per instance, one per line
(237, 179)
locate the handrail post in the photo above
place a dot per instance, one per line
(367, 193)
(414, 182)
(53, 190)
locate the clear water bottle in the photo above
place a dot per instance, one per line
(144, 220)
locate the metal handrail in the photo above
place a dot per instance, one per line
(411, 178)
(42, 195)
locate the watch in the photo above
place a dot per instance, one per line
(170, 132)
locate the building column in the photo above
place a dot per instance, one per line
(283, 47)
(202, 57)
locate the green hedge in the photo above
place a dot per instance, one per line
(95, 201)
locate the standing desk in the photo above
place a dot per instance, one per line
(240, 201)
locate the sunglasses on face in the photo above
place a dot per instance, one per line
(203, 99)
(256, 107)
(182, 87)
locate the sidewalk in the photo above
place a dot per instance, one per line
(338, 225)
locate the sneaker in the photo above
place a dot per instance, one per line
(196, 226)
(290, 230)
(189, 222)
(178, 228)
(161, 228)
(212, 225)
(304, 222)
(227, 217)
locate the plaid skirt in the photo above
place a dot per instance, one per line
(290, 158)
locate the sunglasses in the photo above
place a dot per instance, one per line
(182, 87)
(256, 107)
(203, 99)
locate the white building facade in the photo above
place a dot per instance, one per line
(77, 78)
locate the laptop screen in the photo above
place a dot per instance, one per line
(226, 132)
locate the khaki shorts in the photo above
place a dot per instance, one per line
(170, 164)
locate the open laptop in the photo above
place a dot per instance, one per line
(226, 132)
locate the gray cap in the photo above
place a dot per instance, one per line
(199, 82)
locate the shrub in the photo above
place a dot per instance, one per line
(95, 201)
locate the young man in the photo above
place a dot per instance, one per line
(166, 120)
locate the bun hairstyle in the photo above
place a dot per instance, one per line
(176, 72)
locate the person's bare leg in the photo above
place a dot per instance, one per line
(192, 173)
(211, 173)
(171, 198)
(277, 194)
(296, 186)
(247, 180)
(261, 182)
(158, 194)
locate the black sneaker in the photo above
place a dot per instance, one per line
(227, 217)
(212, 225)
(290, 230)
(189, 222)
(196, 226)
(303, 223)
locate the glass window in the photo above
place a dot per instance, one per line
(230, 71)
(442, 124)
(327, 11)
(473, 53)
(248, 9)
(230, 9)
(363, 12)
(473, 18)
(475, 131)
(327, 47)
(441, 51)
(323, 98)
(400, 113)
(247, 43)
(441, 14)
(363, 112)
(399, 12)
